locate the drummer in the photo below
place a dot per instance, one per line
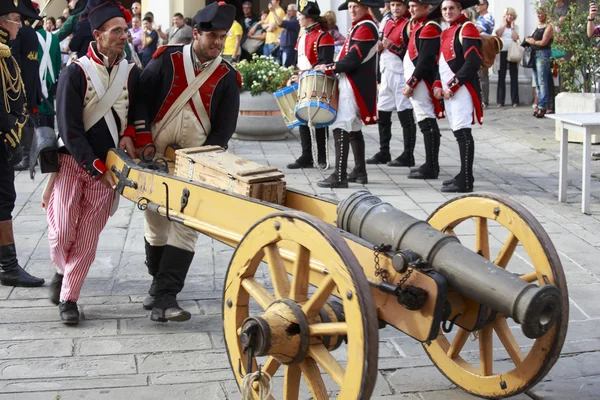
(315, 47)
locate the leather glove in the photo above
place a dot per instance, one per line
(12, 143)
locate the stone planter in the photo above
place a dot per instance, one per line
(577, 103)
(260, 118)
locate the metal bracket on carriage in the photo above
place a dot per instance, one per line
(122, 176)
(404, 260)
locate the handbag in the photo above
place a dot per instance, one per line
(252, 45)
(515, 52)
(528, 58)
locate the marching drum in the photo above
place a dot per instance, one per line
(287, 98)
(317, 99)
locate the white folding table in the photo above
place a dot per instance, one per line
(576, 123)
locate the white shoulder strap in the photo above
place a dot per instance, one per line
(373, 49)
(107, 97)
(190, 93)
(45, 62)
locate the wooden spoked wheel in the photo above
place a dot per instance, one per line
(523, 241)
(319, 296)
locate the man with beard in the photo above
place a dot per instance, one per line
(357, 69)
(392, 50)
(420, 69)
(192, 98)
(13, 116)
(94, 115)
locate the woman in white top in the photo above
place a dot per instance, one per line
(508, 33)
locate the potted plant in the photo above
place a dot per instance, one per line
(260, 117)
(579, 69)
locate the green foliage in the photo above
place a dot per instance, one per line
(263, 74)
(580, 68)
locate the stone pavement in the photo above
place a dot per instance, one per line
(116, 352)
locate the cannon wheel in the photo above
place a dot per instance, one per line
(303, 255)
(524, 369)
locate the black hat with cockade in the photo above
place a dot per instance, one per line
(215, 16)
(309, 8)
(366, 3)
(436, 12)
(18, 6)
(100, 11)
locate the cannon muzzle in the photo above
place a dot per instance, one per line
(535, 308)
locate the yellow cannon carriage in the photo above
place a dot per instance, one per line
(310, 276)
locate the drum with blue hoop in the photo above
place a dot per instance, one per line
(317, 99)
(287, 98)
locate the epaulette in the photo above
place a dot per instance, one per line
(238, 75)
(469, 31)
(159, 52)
(4, 51)
(431, 30)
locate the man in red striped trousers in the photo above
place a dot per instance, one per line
(93, 98)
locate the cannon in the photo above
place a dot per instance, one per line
(311, 282)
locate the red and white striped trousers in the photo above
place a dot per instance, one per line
(77, 212)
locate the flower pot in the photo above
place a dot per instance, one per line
(577, 103)
(260, 118)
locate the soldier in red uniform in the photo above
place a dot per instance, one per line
(459, 61)
(420, 69)
(315, 47)
(392, 49)
(357, 73)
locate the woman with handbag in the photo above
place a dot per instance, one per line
(256, 36)
(509, 58)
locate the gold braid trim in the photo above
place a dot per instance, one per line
(4, 51)
(12, 84)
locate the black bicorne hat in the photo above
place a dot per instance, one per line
(427, 2)
(436, 12)
(18, 6)
(366, 3)
(100, 11)
(309, 8)
(215, 16)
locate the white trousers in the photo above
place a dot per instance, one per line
(390, 92)
(459, 109)
(348, 113)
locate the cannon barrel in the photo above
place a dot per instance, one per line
(535, 308)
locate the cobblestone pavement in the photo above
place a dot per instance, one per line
(118, 353)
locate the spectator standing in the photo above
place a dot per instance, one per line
(272, 38)
(233, 43)
(149, 42)
(136, 10)
(137, 34)
(541, 42)
(258, 32)
(593, 30)
(332, 28)
(247, 22)
(50, 24)
(178, 33)
(560, 10)
(508, 33)
(59, 23)
(289, 36)
(485, 25)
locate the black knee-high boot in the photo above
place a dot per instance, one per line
(359, 173)
(305, 160)
(385, 135)
(11, 273)
(321, 134)
(339, 178)
(463, 182)
(173, 268)
(409, 134)
(431, 139)
(153, 256)
(26, 139)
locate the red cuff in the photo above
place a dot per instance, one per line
(100, 167)
(437, 84)
(142, 139)
(412, 82)
(130, 132)
(453, 85)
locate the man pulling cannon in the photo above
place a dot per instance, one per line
(357, 69)
(420, 69)
(315, 47)
(459, 62)
(392, 49)
(13, 117)
(93, 113)
(192, 99)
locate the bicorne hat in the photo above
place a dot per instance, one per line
(309, 8)
(366, 3)
(20, 7)
(436, 12)
(100, 11)
(215, 16)
(427, 2)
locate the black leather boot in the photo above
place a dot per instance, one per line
(322, 134)
(55, 287)
(359, 173)
(409, 134)
(153, 257)
(173, 269)
(26, 138)
(11, 273)
(431, 138)
(339, 177)
(384, 124)
(69, 313)
(305, 160)
(463, 182)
